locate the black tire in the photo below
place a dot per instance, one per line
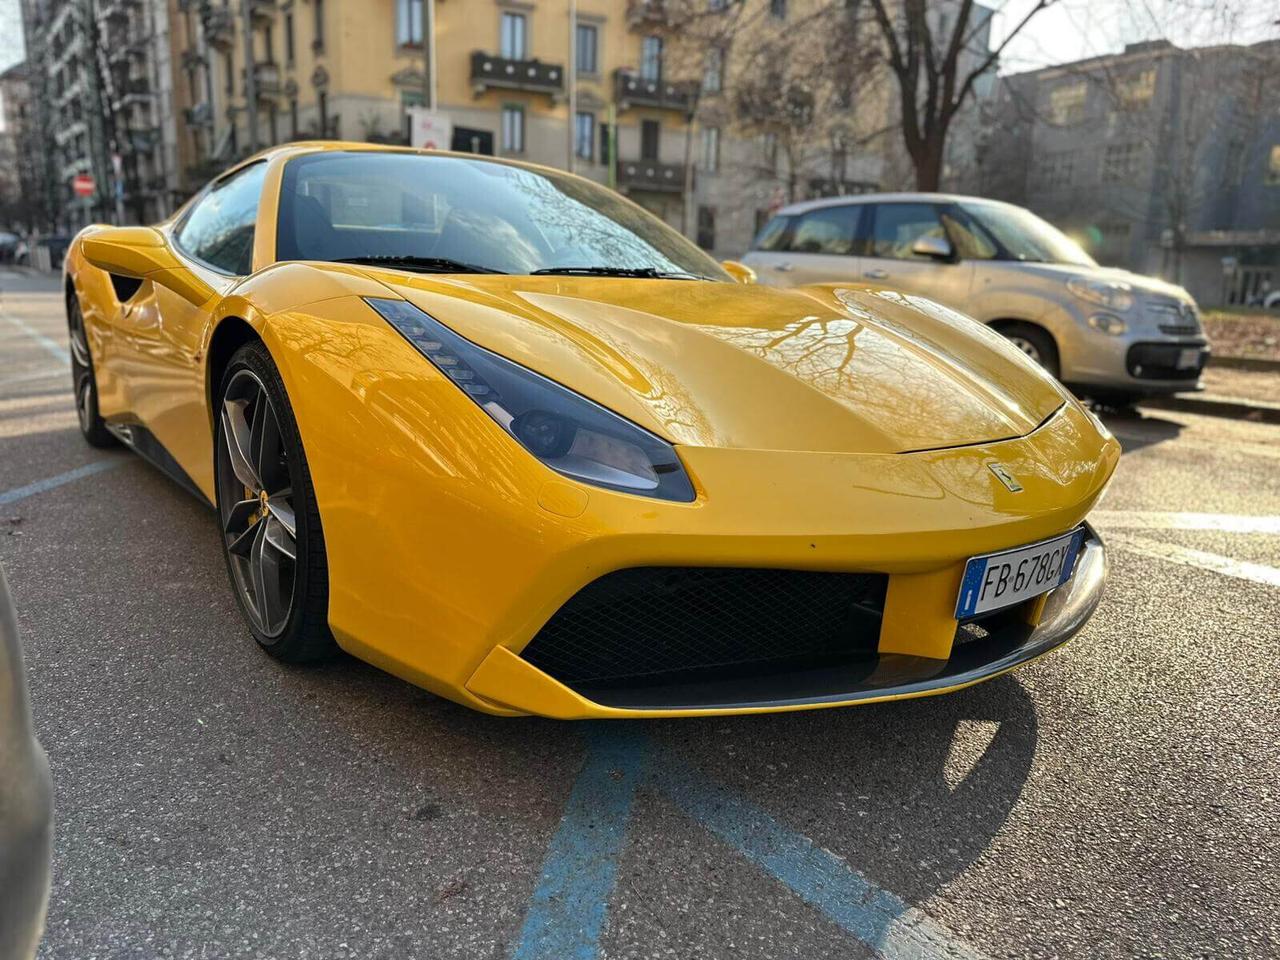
(1035, 342)
(254, 519)
(84, 385)
(1117, 402)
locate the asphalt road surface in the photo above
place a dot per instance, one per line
(1118, 798)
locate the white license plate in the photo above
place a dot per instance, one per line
(998, 580)
(1189, 359)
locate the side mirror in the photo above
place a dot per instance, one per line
(142, 253)
(933, 247)
(739, 271)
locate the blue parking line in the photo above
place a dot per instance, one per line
(878, 918)
(50, 483)
(571, 901)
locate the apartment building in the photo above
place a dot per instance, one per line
(101, 93)
(1159, 159)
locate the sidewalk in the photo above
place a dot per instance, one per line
(1242, 394)
(25, 280)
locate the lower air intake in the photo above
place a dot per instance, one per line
(661, 625)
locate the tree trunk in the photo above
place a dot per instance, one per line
(928, 163)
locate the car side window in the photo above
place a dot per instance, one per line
(773, 236)
(827, 230)
(970, 238)
(896, 226)
(219, 229)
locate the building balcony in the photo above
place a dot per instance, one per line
(648, 14)
(262, 12)
(266, 78)
(629, 90)
(198, 116)
(488, 72)
(651, 175)
(219, 28)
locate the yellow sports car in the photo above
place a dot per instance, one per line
(501, 432)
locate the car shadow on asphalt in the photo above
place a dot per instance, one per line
(1138, 430)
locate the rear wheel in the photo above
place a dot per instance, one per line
(84, 384)
(1035, 342)
(271, 533)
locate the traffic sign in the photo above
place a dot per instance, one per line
(83, 185)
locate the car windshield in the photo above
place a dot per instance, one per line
(1022, 235)
(457, 214)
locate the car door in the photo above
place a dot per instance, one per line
(816, 246)
(891, 232)
(214, 242)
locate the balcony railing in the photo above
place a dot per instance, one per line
(651, 175)
(649, 14)
(534, 75)
(219, 29)
(630, 90)
(266, 76)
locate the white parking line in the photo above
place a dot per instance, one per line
(1228, 566)
(43, 374)
(1159, 520)
(54, 349)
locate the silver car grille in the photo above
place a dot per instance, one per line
(1174, 319)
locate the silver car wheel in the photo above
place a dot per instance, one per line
(1027, 347)
(256, 501)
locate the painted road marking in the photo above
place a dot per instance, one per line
(877, 917)
(570, 904)
(47, 373)
(1241, 569)
(1159, 520)
(51, 483)
(51, 346)
(571, 901)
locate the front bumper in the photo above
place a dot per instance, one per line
(1141, 361)
(1027, 633)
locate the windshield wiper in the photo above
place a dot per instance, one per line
(643, 273)
(420, 264)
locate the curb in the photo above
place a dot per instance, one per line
(1256, 364)
(1234, 408)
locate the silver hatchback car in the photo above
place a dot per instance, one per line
(1110, 334)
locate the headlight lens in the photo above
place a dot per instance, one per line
(1108, 324)
(569, 433)
(1111, 294)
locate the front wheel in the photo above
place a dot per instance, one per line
(1035, 342)
(271, 534)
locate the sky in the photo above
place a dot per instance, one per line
(1065, 31)
(1071, 30)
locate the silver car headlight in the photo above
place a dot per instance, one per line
(1112, 294)
(569, 433)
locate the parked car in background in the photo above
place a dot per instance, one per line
(1107, 333)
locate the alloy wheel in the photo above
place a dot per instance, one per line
(81, 371)
(1027, 347)
(256, 503)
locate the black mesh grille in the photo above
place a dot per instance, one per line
(653, 625)
(1158, 361)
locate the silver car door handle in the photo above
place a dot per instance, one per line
(876, 274)
(784, 267)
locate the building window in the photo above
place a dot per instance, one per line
(408, 100)
(409, 23)
(584, 135)
(293, 118)
(322, 101)
(1120, 161)
(1135, 91)
(228, 67)
(588, 37)
(650, 134)
(707, 227)
(269, 42)
(606, 143)
(1058, 171)
(318, 43)
(778, 8)
(288, 37)
(710, 149)
(1066, 103)
(514, 36)
(713, 71)
(1272, 178)
(651, 58)
(513, 128)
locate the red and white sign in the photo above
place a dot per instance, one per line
(429, 130)
(83, 185)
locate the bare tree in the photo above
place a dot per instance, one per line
(934, 74)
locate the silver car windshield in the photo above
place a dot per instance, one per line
(1024, 236)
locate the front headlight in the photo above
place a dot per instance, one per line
(1106, 323)
(1111, 294)
(569, 433)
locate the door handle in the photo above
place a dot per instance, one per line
(876, 274)
(784, 267)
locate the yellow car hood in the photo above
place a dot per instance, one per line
(830, 368)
